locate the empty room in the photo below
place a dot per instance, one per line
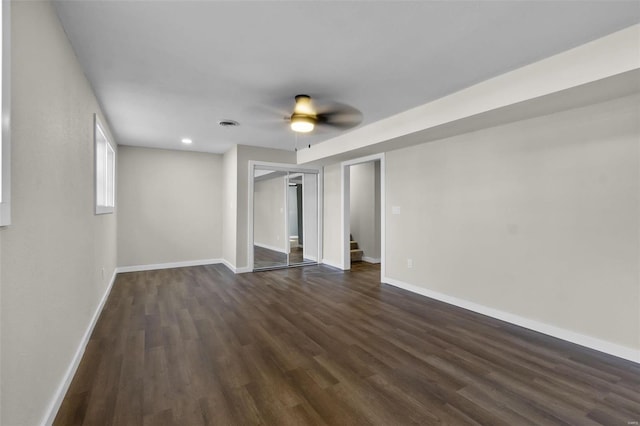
(320, 212)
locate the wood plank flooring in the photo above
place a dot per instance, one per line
(318, 346)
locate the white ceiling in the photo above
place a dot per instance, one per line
(164, 70)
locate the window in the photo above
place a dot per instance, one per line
(5, 108)
(105, 171)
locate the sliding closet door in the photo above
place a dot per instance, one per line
(286, 216)
(310, 209)
(270, 241)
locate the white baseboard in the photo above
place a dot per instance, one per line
(235, 270)
(153, 267)
(370, 259)
(272, 248)
(54, 405)
(550, 330)
(329, 263)
(183, 264)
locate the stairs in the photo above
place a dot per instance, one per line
(356, 252)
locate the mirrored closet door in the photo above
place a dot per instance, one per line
(285, 216)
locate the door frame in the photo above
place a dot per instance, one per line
(345, 220)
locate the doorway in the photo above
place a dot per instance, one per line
(363, 215)
(284, 216)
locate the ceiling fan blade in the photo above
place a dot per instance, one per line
(266, 114)
(271, 108)
(339, 116)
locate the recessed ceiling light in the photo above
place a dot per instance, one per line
(186, 141)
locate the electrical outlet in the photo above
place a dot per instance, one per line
(409, 263)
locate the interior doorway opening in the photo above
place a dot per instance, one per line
(363, 223)
(284, 216)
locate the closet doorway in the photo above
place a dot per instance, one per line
(284, 216)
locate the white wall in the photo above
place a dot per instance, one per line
(230, 205)
(170, 206)
(365, 208)
(53, 254)
(269, 210)
(377, 210)
(538, 218)
(310, 214)
(246, 153)
(331, 226)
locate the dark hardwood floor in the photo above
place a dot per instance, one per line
(315, 345)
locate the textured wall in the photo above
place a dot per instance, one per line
(57, 256)
(170, 206)
(537, 218)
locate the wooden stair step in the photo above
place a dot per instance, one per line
(356, 255)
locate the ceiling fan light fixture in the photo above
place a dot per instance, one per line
(303, 105)
(303, 119)
(302, 123)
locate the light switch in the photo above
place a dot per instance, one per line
(395, 209)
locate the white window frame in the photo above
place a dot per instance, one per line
(105, 169)
(5, 111)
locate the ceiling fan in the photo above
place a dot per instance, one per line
(308, 116)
